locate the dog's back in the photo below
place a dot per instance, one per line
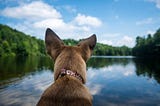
(69, 72)
(66, 92)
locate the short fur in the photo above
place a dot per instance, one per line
(68, 90)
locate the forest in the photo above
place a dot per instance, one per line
(147, 46)
(16, 43)
(104, 49)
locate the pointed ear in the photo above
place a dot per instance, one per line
(53, 43)
(87, 45)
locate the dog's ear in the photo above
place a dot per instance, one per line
(53, 43)
(87, 45)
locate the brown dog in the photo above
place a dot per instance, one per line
(69, 72)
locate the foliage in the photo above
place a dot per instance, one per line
(16, 43)
(149, 46)
(103, 49)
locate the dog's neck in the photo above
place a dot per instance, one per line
(70, 73)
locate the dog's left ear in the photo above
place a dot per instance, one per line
(87, 45)
(53, 43)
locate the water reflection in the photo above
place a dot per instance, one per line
(111, 80)
(27, 90)
(22, 80)
(13, 68)
(115, 82)
(148, 67)
(103, 61)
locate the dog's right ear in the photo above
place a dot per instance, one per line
(87, 45)
(53, 43)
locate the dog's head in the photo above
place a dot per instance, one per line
(69, 57)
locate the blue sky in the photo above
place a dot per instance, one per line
(115, 22)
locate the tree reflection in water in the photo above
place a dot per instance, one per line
(112, 80)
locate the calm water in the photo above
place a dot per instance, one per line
(122, 81)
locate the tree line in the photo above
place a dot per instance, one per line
(16, 43)
(104, 49)
(147, 46)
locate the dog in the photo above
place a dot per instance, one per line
(69, 72)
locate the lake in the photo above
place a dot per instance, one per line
(112, 80)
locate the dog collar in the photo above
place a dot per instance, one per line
(70, 73)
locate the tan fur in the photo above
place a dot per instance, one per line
(68, 90)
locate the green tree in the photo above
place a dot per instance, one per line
(149, 46)
(6, 47)
(18, 43)
(14, 42)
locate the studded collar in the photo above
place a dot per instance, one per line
(70, 73)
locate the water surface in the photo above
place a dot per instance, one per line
(124, 81)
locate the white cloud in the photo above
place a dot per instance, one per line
(56, 23)
(109, 42)
(34, 11)
(81, 19)
(117, 39)
(157, 2)
(126, 40)
(145, 21)
(36, 16)
(107, 38)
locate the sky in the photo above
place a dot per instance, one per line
(115, 22)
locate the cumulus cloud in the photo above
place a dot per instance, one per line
(36, 16)
(126, 40)
(56, 23)
(33, 11)
(117, 39)
(81, 19)
(109, 42)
